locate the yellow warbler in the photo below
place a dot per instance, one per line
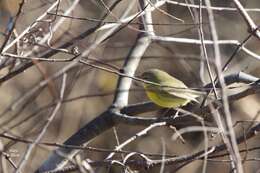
(167, 91)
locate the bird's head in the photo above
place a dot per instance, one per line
(154, 75)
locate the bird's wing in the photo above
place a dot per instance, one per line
(186, 94)
(182, 91)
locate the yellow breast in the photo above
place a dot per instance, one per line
(164, 99)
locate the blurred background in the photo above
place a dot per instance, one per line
(24, 110)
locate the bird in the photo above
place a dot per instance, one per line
(167, 91)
